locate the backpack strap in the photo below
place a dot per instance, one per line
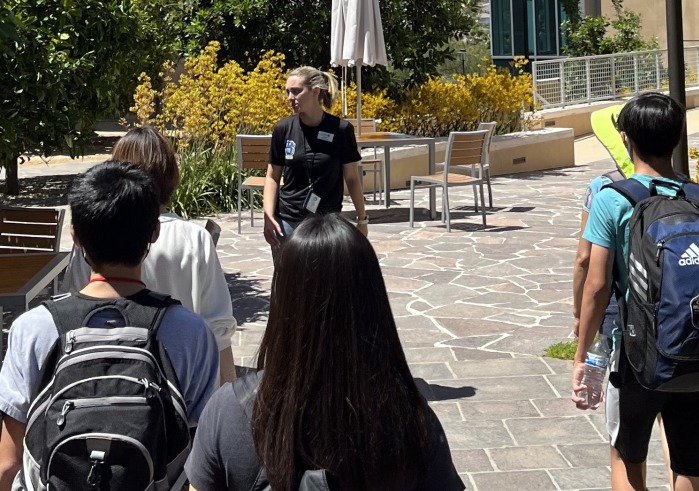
(690, 190)
(631, 189)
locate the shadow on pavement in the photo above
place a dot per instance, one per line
(435, 392)
(250, 301)
(46, 191)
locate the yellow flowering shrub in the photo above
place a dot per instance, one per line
(207, 106)
(694, 155)
(214, 104)
(376, 105)
(440, 106)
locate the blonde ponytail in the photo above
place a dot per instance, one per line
(325, 81)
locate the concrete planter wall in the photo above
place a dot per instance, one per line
(525, 151)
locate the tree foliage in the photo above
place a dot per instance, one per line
(589, 37)
(416, 32)
(63, 65)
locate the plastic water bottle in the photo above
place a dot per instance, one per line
(596, 363)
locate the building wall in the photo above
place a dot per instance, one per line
(653, 18)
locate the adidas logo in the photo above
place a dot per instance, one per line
(690, 256)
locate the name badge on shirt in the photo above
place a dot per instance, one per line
(328, 137)
(289, 149)
(312, 201)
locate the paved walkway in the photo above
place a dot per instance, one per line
(475, 310)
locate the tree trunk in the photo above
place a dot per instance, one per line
(11, 173)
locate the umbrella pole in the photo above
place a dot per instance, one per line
(359, 97)
(344, 92)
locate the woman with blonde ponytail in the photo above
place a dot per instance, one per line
(315, 152)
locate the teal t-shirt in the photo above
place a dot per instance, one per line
(608, 227)
(592, 189)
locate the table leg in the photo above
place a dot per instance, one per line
(387, 175)
(432, 166)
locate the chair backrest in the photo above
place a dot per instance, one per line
(253, 151)
(368, 125)
(214, 230)
(24, 230)
(466, 148)
(491, 131)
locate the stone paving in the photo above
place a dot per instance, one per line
(475, 310)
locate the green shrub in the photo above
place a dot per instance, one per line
(208, 181)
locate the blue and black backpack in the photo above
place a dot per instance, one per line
(660, 318)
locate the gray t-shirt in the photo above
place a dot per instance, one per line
(223, 455)
(184, 335)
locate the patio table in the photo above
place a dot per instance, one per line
(23, 276)
(390, 140)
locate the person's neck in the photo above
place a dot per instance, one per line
(114, 281)
(660, 167)
(313, 118)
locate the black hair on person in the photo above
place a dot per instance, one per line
(114, 207)
(337, 393)
(653, 122)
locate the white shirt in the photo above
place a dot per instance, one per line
(183, 264)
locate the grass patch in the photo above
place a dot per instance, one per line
(563, 351)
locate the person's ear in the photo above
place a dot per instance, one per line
(627, 144)
(156, 233)
(76, 241)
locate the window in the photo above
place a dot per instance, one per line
(501, 26)
(546, 27)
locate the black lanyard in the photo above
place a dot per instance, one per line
(306, 151)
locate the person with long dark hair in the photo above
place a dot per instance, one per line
(334, 391)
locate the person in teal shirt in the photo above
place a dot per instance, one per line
(650, 127)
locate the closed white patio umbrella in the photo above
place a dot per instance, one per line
(356, 38)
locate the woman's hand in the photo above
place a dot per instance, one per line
(272, 231)
(363, 228)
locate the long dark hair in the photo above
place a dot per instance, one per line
(337, 393)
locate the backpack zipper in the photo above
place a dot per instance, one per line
(39, 410)
(102, 351)
(69, 405)
(92, 335)
(69, 360)
(661, 244)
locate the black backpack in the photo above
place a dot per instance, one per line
(108, 413)
(660, 320)
(245, 390)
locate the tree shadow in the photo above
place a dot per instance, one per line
(48, 191)
(250, 301)
(435, 392)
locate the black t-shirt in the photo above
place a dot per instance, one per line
(223, 455)
(312, 156)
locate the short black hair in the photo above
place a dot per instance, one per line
(114, 207)
(654, 123)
